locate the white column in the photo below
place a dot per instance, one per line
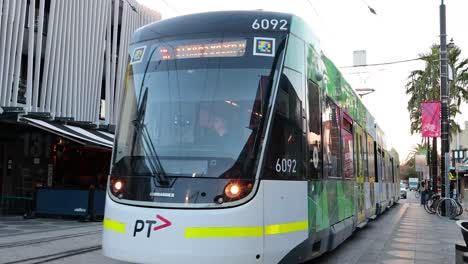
(87, 58)
(58, 52)
(37, 63)
(81, 62)
(102, 45)
(115, 39)
(122, 61)
(12, 52)
(108, 62)
(46, 89)
(65, 64)
(1, 15)
(72, 83)
(3, 38)
(19, 52)
(6, 87)
(95, 55)
(31, 30)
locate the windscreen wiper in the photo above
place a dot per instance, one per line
(150, 151)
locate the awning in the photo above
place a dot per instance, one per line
(74, 133)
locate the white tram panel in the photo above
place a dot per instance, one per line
(169, 245)
(285, 202)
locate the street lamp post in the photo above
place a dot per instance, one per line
(444, 99)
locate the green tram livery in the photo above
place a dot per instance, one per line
(240, 142)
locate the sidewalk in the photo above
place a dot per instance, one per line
(423, 238)
(403, 234)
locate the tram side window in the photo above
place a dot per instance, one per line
(357, 150)
(314, 137)
(379, 166)
(331, 140)
(365, 155)
(295, 55)
(348, 157)
(392, 168)
(285, 156)
(384, 167)
(370, 156)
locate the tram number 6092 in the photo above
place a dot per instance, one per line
(286, 165)
(270, 23)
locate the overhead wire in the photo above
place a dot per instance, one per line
(313, 7)
(384, 63)
(170, 6)
(372, 10)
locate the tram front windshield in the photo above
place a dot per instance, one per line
(193, 107)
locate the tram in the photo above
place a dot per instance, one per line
(240, 142)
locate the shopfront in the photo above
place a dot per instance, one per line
(44, 165)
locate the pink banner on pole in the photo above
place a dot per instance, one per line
(430, 123)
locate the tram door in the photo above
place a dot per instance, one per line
(349, 192)
(359, 173)
(379, 177)
(382, 180)
(392, 181)
(372, 176)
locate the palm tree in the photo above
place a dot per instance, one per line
(414, 151)
(424, 85)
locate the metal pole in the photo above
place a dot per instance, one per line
(444, 98)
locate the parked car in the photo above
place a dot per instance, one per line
(403, 191)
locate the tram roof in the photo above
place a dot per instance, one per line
(219, 21)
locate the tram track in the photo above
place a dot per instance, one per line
(48, 230)
(56, 256)
(46, 239)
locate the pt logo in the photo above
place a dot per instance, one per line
(140, 225)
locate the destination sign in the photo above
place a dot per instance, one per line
(204, 50)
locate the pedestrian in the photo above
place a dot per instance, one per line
(422, 191)
(452, 189)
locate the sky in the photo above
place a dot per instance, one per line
(400, 30)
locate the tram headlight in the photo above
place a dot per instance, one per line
(117, 186)
(233, 190)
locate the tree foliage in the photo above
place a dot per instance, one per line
(424, 85)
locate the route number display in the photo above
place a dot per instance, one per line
(281, 24)
(286, 165)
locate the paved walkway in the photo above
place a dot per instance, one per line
(403, 234)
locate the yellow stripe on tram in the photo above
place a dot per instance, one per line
(286, 228)
(213, 232)
(114, 225)
(246, 231)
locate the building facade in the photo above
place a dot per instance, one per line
(63, 57)
(460, 140)
(62, 72)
